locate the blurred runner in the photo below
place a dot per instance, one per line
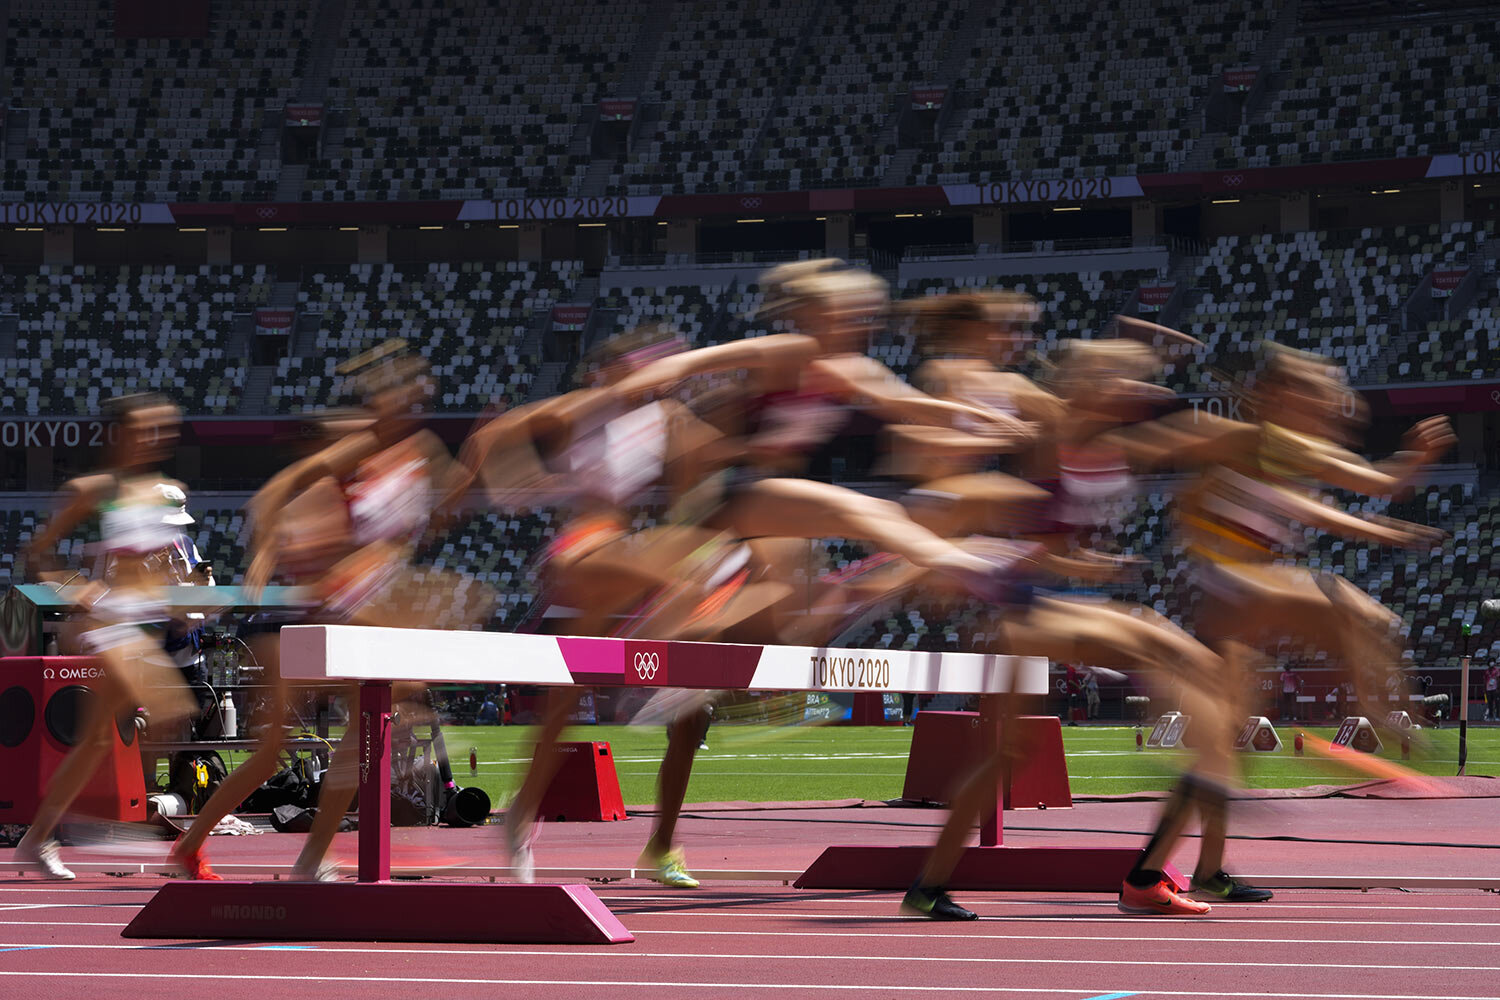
(340, 524)
(124, 614)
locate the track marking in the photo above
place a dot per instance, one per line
(1024, 918)
(885, 901)
(659, 984)
(1112, 996)
(66, 923)
(1126, 939)
(508, 952)
(935, 933)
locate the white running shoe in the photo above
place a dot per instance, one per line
(45, 857)
(522, 861)
(327, 871)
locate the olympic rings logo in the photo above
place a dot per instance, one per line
(266, 211)
(1233, 180)
(750, 203)
(646, 665)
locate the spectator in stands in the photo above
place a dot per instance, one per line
(1290, 685)
(1492, 693)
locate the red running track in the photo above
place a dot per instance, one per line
(757, 941)
(765, 940)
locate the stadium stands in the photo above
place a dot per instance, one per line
(1047, 102)
(87, 333)
(429, 101)
(1336, 293)
(460, 103)
(1364, 95)
(142, 120)
(714, 83)
(470, 322)
(830, 129)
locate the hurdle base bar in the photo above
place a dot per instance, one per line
(379, 911)
(1012, 869)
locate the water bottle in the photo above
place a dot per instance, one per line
(231, 718)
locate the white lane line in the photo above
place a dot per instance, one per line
(934, 931)
(1124, 939)
(1023, 918)
(11, 907)
(886, 900)
(720, 956)
(70, 890)
(1073, 991)
(67, 923)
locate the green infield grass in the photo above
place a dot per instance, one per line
(799, 763)
(766, 763)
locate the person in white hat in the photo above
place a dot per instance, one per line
(185, 563)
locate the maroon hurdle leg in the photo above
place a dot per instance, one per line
(375, 781)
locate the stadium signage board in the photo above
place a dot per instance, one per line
(274, 321)
(547, 209)
(928, 98)
(1067, 189)
(1444, 282)
(1240, 78)
(82, 213)
(1481, 161)
(60, 433)
(1153, 297)
(875, 199)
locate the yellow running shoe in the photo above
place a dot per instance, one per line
(670, 869)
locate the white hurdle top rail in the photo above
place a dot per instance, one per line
(375, 654)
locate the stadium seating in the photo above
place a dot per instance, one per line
(142, 120)
(88, 333)
(469, 322)
(459, 103)
(429, 101)
(1334, 293)
(1362, 95)
(865, 58)
(1467, 346)
(1088, 89)
(714, 83)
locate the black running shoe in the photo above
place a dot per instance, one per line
(1223, 887)
(932, 901)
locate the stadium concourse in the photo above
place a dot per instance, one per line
(226, 203)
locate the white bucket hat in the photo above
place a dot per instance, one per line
(176, 501)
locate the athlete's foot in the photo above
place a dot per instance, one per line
(1160, 898)
(1222, 886)
(933, 901)
(323, 871)
(669, 868)
(194, 865)
(518, 846)
(45, 856)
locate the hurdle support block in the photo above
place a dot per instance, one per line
(586, 786)
(945, 745)
(991, 865)
(470, 913)
(1013, 869)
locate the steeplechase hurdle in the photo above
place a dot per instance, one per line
(374, 908)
